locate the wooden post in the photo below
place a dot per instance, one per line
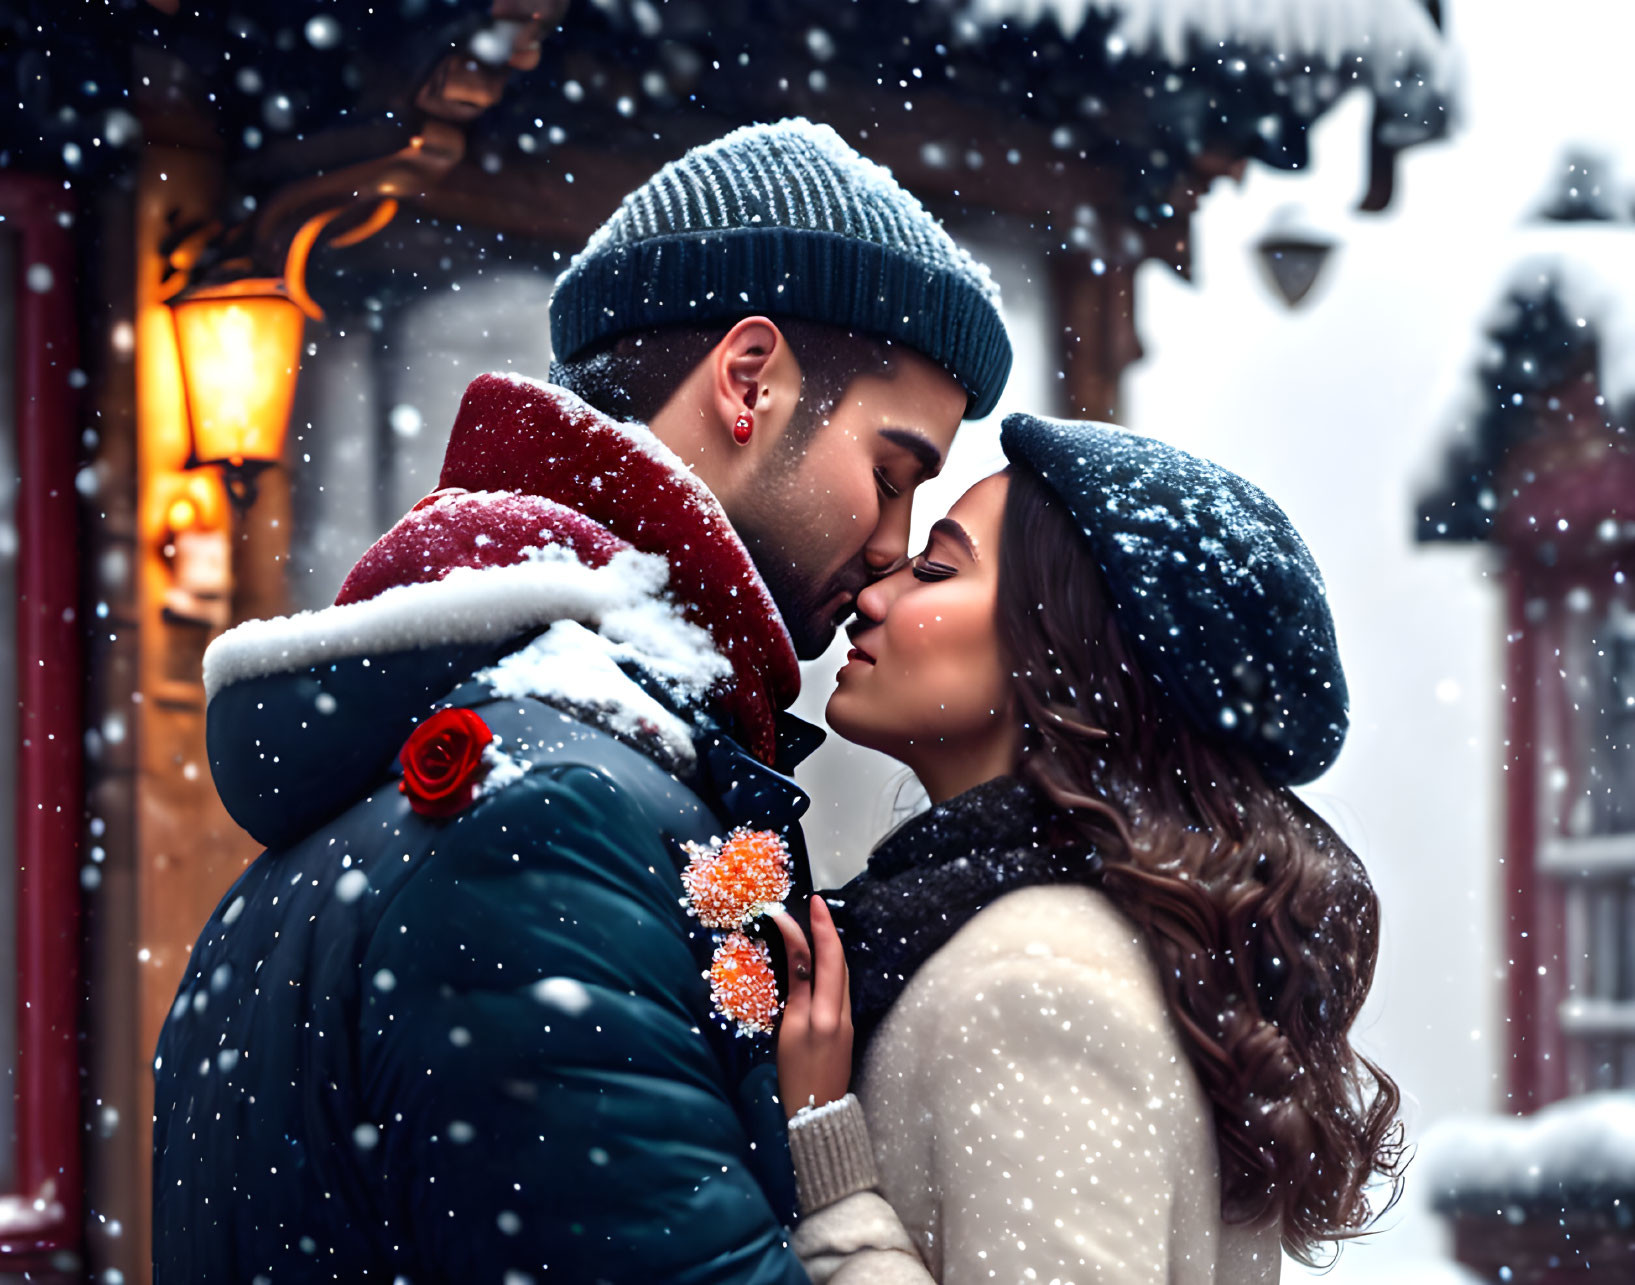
(261, 552)
(188, 851)
(1095, 315)
(117, 1134)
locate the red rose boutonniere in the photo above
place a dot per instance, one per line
(443, 762)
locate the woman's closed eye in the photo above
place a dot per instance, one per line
(925, 569)
(887, 488)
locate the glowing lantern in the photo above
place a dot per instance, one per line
(240, 349)
(239, 343)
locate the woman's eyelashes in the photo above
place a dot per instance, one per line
(884, 482)
(925, 569)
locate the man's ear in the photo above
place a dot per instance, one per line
(754, 371)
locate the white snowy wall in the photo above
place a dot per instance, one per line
(1340, 410)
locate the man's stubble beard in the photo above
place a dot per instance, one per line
(776, 528)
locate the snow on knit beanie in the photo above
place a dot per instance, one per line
(786, 219)
(1212, 583)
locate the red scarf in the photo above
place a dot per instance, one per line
(544, 460)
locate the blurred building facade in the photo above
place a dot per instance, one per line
(1542, 470)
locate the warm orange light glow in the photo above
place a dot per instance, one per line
(205, 493)
(295, 262)
(194, 501)
(383, 214)
(240, 349)
(182, 514)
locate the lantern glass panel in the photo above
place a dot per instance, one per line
(240, 350)
(1293, 266)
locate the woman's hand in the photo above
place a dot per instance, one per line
(815, 1036)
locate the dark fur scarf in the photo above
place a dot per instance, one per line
(932, 874)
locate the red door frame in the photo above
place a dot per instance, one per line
(1525, 1030)
(42, 1216)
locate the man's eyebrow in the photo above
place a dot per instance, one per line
(955, 532)
(919, 446)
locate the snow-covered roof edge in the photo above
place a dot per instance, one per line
(1387, 35)
(1569, 1151)
(1599, 289)
(1589, 271)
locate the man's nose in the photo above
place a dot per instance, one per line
(882, 561)
(887, 547)
(879, 568)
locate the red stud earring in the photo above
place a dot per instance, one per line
(742, 427)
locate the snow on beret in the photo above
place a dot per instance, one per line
(1212, 583)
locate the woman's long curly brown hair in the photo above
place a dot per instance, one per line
(1261, 921)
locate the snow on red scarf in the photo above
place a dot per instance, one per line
(531, 456)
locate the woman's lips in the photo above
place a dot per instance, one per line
(857, 653)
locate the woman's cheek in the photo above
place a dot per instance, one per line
(941, 662)
(912, 637)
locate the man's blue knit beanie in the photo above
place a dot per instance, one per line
(786, 219)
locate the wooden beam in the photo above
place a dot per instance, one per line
(948, 150)
(931, 155)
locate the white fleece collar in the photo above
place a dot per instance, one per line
(622, 601)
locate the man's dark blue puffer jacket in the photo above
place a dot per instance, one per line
(481, 1049)
(475, 1049)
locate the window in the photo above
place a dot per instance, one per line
(1591, 811)
(1613, 771)
(374, 409)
